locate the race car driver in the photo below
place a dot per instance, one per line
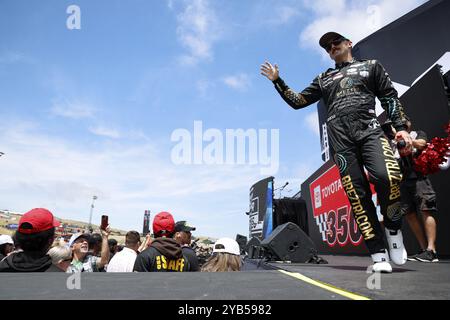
(349, 91)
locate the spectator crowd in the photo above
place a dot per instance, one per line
(35, 248)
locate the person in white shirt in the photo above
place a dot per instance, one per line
(123, 261)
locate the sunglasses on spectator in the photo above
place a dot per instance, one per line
(335, 43)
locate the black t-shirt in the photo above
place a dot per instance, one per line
(408, 165)
(189, 253)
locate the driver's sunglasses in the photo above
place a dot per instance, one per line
(335, 43)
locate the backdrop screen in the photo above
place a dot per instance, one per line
(261, 209)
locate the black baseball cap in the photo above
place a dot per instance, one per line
(329, 37)
(183, 226)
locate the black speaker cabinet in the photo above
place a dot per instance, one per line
(242, 241)
(289, 243)
(254, 249)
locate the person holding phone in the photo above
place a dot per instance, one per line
(82, 260)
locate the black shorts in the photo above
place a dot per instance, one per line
(418, 195)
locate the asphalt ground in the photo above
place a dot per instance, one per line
(344, 278)
(412, 281)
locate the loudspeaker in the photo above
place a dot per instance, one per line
(291, 210)
(254, 249)
(289, 243)
(242, 241)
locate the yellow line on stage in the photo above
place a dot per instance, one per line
(325, 286)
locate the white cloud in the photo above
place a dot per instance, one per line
(312, 122)
(47, 171)
(273, 14)
(304, 170)
(270, 15)
(295, 174)
(285, 14)
(72, 109)
(240, 82)
(105, 132)
(324, 7)
(204, 87)
(198, 29)
(354, 19)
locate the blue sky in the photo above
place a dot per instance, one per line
(91, 111)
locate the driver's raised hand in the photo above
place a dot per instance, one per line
(269, 71)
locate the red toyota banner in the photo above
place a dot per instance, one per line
(332, 210)
(327, 193)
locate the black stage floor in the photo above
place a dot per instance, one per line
(412, 281)
(343, 278)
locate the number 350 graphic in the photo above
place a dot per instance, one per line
(342, 228)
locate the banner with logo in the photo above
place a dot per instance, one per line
(261, 209)
(331, 224)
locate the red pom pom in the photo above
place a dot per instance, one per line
(434, 154)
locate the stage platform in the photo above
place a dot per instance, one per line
(344, 278)
(414, 280)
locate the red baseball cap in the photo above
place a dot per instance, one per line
(163, 224)
(37, 220)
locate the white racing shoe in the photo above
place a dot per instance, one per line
(397, 250)
(381, 262)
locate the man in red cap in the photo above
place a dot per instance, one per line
(164, 254)
(349, 91)
(34, 236)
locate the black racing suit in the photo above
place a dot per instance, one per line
(349, 93)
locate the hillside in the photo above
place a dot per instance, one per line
(73, 226)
